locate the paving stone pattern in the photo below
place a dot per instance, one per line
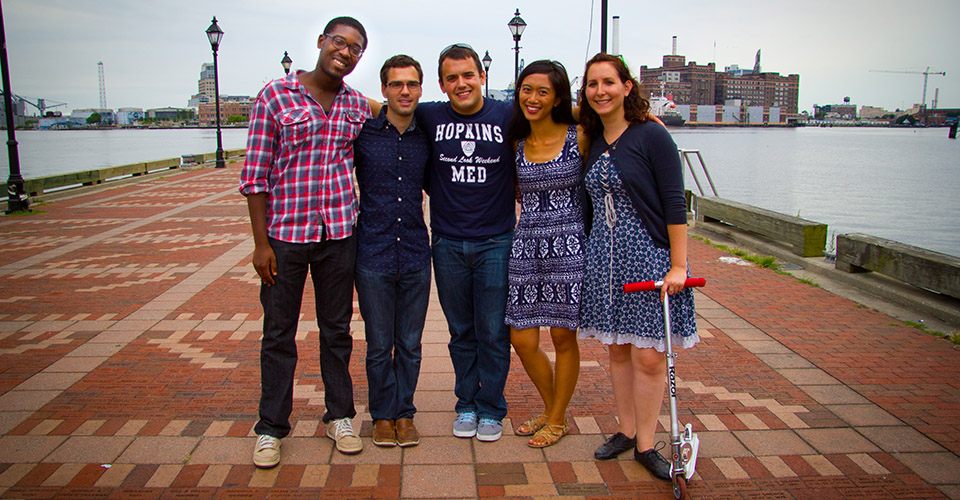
(129, 343)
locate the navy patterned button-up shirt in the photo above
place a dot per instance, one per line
(390, 166)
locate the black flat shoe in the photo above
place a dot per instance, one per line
(654, 462)
(615, 445)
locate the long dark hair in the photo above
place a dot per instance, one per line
(561, 113)
(635, 106)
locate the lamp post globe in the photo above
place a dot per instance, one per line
(516, 25)
(486, 71)
(286, 62)
(214, 35)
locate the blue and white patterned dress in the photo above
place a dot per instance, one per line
(546, 261)
(607, 313)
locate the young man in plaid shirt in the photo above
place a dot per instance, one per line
(298, 181)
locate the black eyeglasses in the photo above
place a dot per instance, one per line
(340, 43)
(398, 85)
(454, 46)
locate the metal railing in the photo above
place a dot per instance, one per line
(685, 155)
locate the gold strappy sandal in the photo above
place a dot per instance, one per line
(548, 435)
(530, 427)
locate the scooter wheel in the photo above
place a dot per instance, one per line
(680, 487)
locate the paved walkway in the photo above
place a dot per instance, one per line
(129, 338)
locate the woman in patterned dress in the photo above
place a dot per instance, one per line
(546, 263)
(638, 233)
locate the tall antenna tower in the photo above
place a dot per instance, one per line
(103, 87)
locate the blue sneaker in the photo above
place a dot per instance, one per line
(489, 429)
(465, 426)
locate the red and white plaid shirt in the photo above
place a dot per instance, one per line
(302, 157)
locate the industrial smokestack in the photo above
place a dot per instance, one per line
(616, 36)
(674, 45)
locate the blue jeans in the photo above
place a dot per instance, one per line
(394, 307)
(330, 263)
(472, 286)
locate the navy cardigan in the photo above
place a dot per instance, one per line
(647, 161)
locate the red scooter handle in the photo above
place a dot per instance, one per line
(644, 286)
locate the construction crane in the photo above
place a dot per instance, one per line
(38, 102)
(927, 73)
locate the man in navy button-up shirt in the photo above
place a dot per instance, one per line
(393, 251)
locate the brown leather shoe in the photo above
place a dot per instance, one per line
(407, 434)
(384, 433)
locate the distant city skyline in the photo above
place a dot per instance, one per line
(153, 55)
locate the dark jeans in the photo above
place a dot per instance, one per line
(472, 285)
(394, 307)
(331, 266)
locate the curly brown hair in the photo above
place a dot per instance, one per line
(635, 107)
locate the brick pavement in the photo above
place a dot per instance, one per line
(129, 338)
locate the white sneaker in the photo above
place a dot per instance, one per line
(267, 452)
(341, 432)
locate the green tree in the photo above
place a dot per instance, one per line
(236, 119)
(906, 119)
(94, 119)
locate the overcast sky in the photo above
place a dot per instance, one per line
(152, 51)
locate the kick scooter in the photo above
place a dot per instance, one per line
(683, 446)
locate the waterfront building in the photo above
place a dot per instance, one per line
(689, 83)
(78, 117)
(845, 111)
(58, 123)
(736, 70)
(196, 100)
(206, 87)
(938, 117)
(230, 105)
(129, 116)
(770, 90)
(19, 113)
(694, 86)
(873, 112)
(170, 114)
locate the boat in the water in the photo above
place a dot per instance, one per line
(663, 107)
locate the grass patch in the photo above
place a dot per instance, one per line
(923, 328)
(24, 213)
(765, 261)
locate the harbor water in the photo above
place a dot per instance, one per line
(900, 184)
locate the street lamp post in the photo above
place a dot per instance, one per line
(214, 34)
(486, 71)
(286, 62)
(17, 200)
(516, 26)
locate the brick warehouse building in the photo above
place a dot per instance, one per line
(229, 106)
(694, 84)
(761, 89)
(689, 83)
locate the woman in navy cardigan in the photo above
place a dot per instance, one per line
(637, 216)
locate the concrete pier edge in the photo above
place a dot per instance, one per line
(900, 300)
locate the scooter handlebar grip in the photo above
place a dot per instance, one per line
(694, 282)
(645, 286)
(640, 286)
